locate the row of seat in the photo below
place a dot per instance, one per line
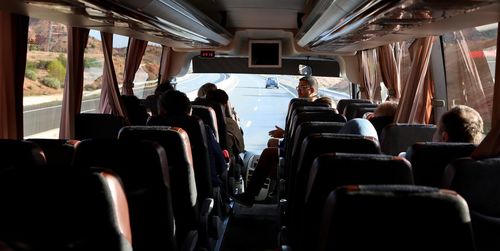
(316, 168)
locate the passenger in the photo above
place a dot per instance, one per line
(359, 126)
(153, 100)
(327, 101)
(176, 103)
(307, 89)
(137, 114)
(235, 141)
(268, 161)
(204, 89)
(383, 115)
(460, 124)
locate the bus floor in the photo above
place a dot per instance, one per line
(252, 228)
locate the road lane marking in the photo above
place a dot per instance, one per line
(248, 124)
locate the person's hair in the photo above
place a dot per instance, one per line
(311, 81)
(326, 100)
(386, 109)
(175, 103)
(205, 89)
(221, 97)
(462, 124)
(163, 87)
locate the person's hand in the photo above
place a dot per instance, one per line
(277, 133)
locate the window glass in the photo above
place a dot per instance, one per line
(470, 57)
(93, 61)
(44, 78)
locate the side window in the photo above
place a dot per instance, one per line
(470, 57)
(44, 78)
(146, 76)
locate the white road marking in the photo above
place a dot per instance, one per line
(255, 108)
(248, 124)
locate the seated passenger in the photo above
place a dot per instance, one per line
(204, 89)
(460, 124)
(328, 101)
(152, 100)
(383, 115)
(137, 114)
(235, 141)
(176, 103)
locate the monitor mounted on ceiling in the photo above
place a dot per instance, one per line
(264, 54)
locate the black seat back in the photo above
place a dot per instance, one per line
(207, 114)
(429, 159)
(195, 129)
(44, 209)
(330, 171)
(356, 110)
(97, 126)
(380, 122)
(143, 168)
(395, 218)
(59, 153)
(342, 104)
(397, 137)
(20, 154)
(221, 119)
(477, 182)
(175, 142)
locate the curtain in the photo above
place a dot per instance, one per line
(110, 94)
(135, 52)
(370, 75)
(13, 48)
(415, 98)
(390, 63)
(73, 84)
(490, 146)
(165, 64)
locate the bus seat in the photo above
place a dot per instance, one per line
(303, 130)
(395, 217)
(59, 153)
(429, 159)
(330, 171)
(175, 141)
(95, 125)
(380, 122)
(207, 115)
(142, 167)
(313, 146)
(477, 182)
(327, 116)
(221, 119)
(306, 108)
(293, 106)
(356, 110)
(342, 104)
(195, 130)
(397, 137)
(63, 210)
(20, 153)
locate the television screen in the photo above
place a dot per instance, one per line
(264, 54)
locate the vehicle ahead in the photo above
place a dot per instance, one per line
(272, 82)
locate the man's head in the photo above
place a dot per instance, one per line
(163, 87)
(386, 109)
(221, 97)
(204, 89)
(307, 88)
(175, 103)
(460, 124)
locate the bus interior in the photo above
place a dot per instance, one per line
(83, 167)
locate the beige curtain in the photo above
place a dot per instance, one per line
(370, 75)
(490, 146)
(13, 47)
(110, 94)
(135, 52)
(73, 84)
(165, 64)
(418, 85)
(390, 64)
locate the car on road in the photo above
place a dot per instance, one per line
(272, 82)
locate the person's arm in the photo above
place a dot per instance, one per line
(277, 133)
